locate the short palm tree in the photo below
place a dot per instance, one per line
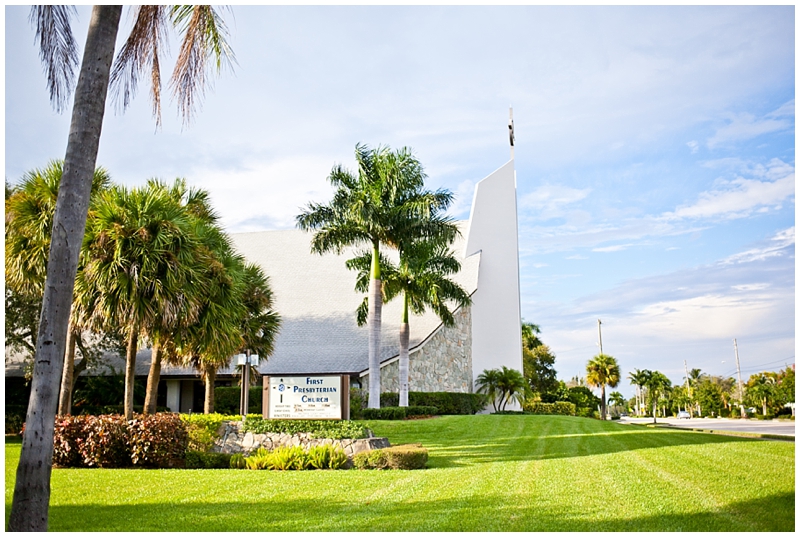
(487, 383)
(761, 388)
(616, 399)
(422, 279)
(512, 386)
(602, 371)
(384, 203)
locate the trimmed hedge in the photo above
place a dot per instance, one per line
(403, 457)
(397, 412)
(334, 429)
(153, 441)
(561, 408)
(446, 403)
(226, 399)
(105, 410)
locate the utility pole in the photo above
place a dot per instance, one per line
(600, 333)
(739, 374)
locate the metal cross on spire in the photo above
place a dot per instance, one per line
(511, 130)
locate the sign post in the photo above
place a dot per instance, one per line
(307, 397)
(245, 360)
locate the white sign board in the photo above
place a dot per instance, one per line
(306, 397)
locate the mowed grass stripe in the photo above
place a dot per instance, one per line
(500, 473)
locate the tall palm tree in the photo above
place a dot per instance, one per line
(637, 378)
(382, 204)
(203, 37)
(602, 371)
(761, 388)
(422, 279)
(197, 207)
(29, 225)
(141, 270)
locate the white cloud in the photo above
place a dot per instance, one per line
(777, 247)
(551, 201)
(746, 126)
(693, 145)
(614, 248)
(740, 197)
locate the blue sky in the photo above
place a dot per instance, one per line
(655, 152)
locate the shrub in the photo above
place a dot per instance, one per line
(105, 442)
(358, 402)
(335, 429)
(326, 457)
(260, 460)
(421, 411)
(289, 458)
(238, 461)
(384, 413)
(226, 399)
(203, 429)
(202, 459)
(403, 457)
(67, 439)
(156, 440)
(15, 418)
(562, 408)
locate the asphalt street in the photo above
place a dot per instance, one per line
(785, 428)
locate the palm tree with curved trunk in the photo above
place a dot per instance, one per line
(422, 278)
(602, 371)
(382, 204)
(487, 383)
(29, 225)
(203, 37)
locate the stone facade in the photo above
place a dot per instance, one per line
(233, 440)
(443, 363)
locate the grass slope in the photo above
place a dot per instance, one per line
(495, 473)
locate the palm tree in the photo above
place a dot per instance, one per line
(616, 399)
(637, 378)
(761, 388)
(657, 386)
(29, 225)
(487, 382)
(693, 380)
(381, 205)
(141, 268)
(530, 335)
(203, 37)
(512, 386)
(422, 279)
(602, 371)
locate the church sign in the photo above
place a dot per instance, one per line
(307, 397)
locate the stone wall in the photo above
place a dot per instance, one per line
(443, 363)
(233, 440)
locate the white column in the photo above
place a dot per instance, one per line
(174, 395)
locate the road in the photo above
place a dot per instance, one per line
(784, 428)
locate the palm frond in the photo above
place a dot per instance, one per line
(57, 50)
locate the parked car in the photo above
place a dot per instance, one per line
(682, 414)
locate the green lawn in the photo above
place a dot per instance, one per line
(496, 473)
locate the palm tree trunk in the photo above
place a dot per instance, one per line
(153, 378)
(603, 402)
(130, 370)
(29, 509)
(210, 378)
(65, 398)
(374, 323)
(403, 361)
